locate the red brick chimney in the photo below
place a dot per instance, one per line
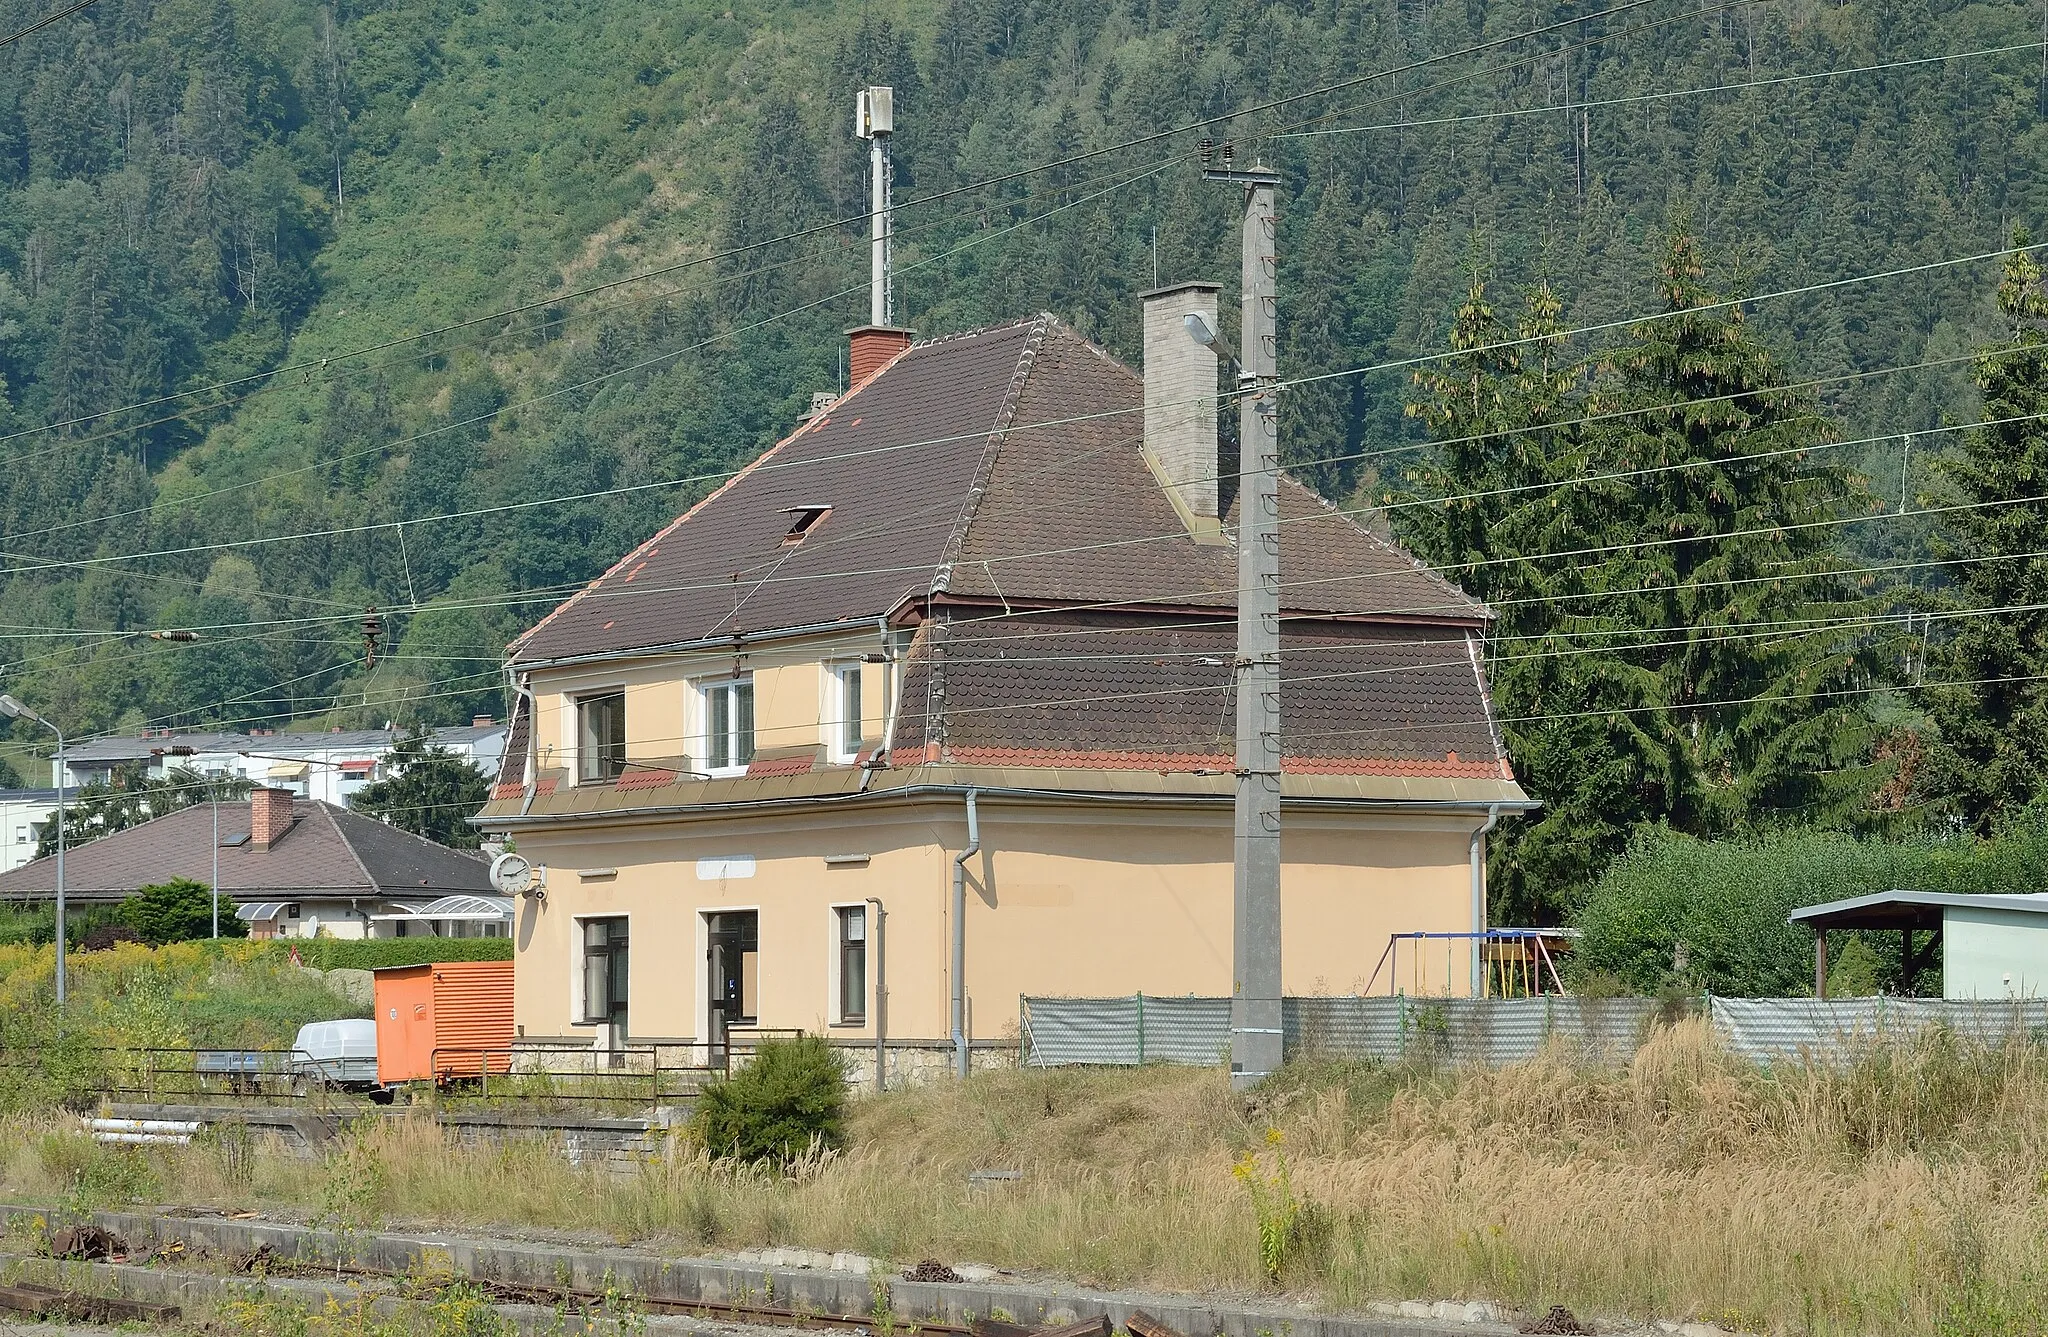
(270, 815)
(872, 347)
(482, 721)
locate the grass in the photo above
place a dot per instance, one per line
(231, 993)
(1904, 1193)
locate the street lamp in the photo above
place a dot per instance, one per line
(14, 710)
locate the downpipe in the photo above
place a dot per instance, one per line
(1479, 898)
(959, 999)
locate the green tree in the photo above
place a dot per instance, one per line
(1989, 756)
(180, 910)
(131, 798)
(433, 793)
(1668, 638)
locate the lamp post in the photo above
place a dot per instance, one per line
(14, 710)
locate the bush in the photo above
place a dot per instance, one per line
(790, 1098)
(371, 953)
(1726, 901)
(180, 910)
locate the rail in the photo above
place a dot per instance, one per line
(176, 1075)
(536, 1075)
(570, 1076)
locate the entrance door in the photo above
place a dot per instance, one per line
(731, 973)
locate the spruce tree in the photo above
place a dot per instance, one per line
(1990, 704)
(1670, 646)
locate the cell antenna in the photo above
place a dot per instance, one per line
(875, 121)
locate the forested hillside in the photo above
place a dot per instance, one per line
(254, 255)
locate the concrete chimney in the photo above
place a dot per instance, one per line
(270, 815)
(1180, 404)
(871, 348)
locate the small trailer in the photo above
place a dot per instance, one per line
(341, 1055)
(444, 1022)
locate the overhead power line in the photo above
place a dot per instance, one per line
(861, 219)
(643, 364)
(1629, 322)
(1662, 95)
(43, 23)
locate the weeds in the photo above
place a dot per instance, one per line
(1274, 1205)
(1904, 1193)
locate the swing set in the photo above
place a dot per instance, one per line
(1519, 962)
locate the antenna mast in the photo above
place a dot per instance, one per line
(875, 122)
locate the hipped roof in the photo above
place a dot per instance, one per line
(1002, 464)
(328, 852)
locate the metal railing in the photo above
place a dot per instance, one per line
(540, 1076)
(168, 1075)
(570, 1076)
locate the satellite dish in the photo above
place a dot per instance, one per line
(512, 874)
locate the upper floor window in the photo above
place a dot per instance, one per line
(600, 737)
(843, 718)
(728, 723)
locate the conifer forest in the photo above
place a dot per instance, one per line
(1708, 343)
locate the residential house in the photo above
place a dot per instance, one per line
(288, 866)
(979, 613)
(330, 766)
(23, 815)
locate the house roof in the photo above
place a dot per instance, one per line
(1002, 464)
(98, 752)
(95, 752)
(1107, 690)
(1908, 909)
(328, 852)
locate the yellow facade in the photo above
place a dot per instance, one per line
(1071, 893)
(1076, 898)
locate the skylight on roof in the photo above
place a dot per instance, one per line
(803, 519)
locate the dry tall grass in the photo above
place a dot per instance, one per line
(1902, 1194)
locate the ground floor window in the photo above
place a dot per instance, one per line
(853, 963)
(604, 970)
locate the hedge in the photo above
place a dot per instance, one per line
(1727, 902)
(371, 953)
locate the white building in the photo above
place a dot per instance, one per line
(331, 767)
(23, 815)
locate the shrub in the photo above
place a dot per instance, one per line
(371, 953)
(791, 1098)
(1711, 914)
(179, 910)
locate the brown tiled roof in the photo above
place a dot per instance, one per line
(716, 799)
(328, 852)
(894, 460)
(1072, 513)
(1002, 464)
(1120, 691)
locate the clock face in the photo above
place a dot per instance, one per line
(511, 874)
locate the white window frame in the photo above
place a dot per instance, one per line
(708, 688)
(574, 720)
(835, 1008)
(834, 714)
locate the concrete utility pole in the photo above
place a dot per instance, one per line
(877, 121)
(1255, 1030)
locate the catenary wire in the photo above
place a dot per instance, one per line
(42, 23)
(1367, 369)
(865, 216)
(1663, 95)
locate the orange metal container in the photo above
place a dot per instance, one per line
(448, 1020)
